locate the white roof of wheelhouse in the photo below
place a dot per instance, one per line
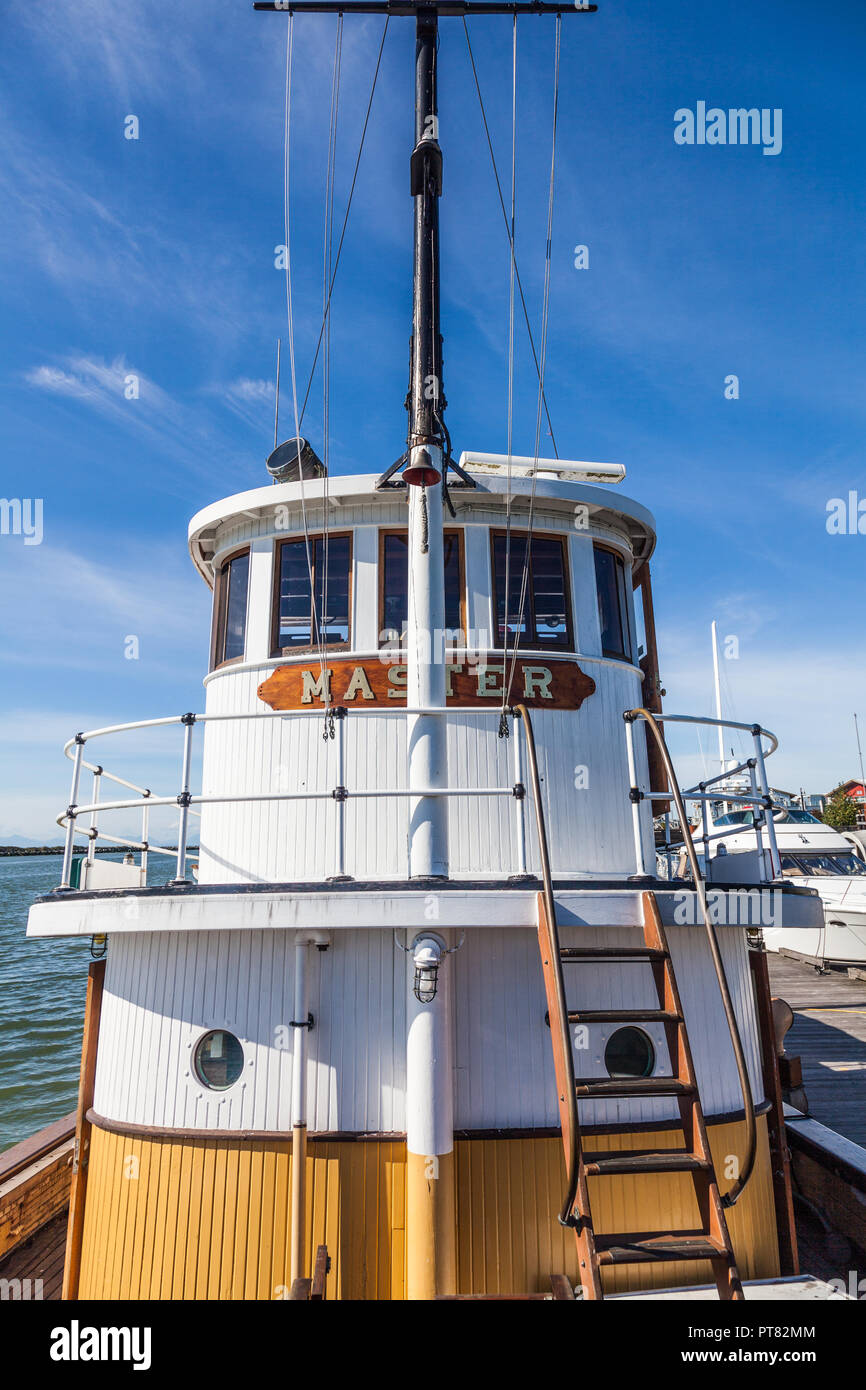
(554, 494)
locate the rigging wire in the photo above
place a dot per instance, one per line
(346, 216)
(545, 314)
(503, 722)
(509, 231)
(327, 259)
(315, 632)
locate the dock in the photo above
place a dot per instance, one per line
(829, 1035)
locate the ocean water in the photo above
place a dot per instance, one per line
(42, 987)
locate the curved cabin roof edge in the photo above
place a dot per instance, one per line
(556, 494)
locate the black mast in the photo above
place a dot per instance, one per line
(426, 402)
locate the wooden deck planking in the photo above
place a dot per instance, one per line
(829, 1035)
(40, 1257)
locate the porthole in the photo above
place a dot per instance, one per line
(629, 1053)
(218, 1060)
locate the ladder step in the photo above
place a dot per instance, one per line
(598, 1086)
(677, 1245)
(623, 1016)
(569, 953)
(662, 1161)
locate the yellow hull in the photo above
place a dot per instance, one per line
(170, 1218)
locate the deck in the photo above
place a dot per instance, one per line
(40, 1257)
(829, 1035)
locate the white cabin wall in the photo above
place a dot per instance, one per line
(589, 828)
(162, 993)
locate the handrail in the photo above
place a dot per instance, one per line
(759, 793)
(734, 1193)
(572, 1160)
(187, 801)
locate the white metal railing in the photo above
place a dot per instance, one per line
(759, 795)
(186, 801)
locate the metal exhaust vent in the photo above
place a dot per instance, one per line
(294, 460)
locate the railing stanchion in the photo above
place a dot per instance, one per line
(775, 861)
(635, 798)
(93, 831)
(183, 799)
(668, 850)
(145, 827)
(705, 826)
(66, 872)
(519, 797)
(340, 795)
(759, 835)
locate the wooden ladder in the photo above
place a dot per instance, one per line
(712, 1241)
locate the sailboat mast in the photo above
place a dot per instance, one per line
(718, 686)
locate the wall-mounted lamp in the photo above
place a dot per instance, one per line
(427, 953)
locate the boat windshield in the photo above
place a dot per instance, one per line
(822, 865)
(791, 814)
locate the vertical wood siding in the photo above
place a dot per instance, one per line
(210, 1219)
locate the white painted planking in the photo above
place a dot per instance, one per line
(162, 993)
(588, 812)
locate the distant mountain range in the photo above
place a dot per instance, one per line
(24, 843)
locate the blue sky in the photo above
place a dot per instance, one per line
(155, 257)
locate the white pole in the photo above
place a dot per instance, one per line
(66, 871)
(635, 803)
(340, 808)
(299, 1107)
(721, 731)
(429, 1125)
(519, 822)
(425, 675)
(91, 844)
(300, 1028)
(775, 861)
(862, 778)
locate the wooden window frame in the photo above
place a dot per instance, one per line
(628, 628)
(219, 608)
(457, 531)
(276, 649)
(537, 644)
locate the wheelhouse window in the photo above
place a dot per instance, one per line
(612, 604)
(296, 628)
(546, 617)
(394, 586)
(230, 627)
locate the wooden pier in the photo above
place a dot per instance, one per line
(829, 1035)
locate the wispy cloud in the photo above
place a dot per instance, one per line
(250, 399)
(72, 612)
(174, 431)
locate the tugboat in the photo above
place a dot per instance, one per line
(424, 1023)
